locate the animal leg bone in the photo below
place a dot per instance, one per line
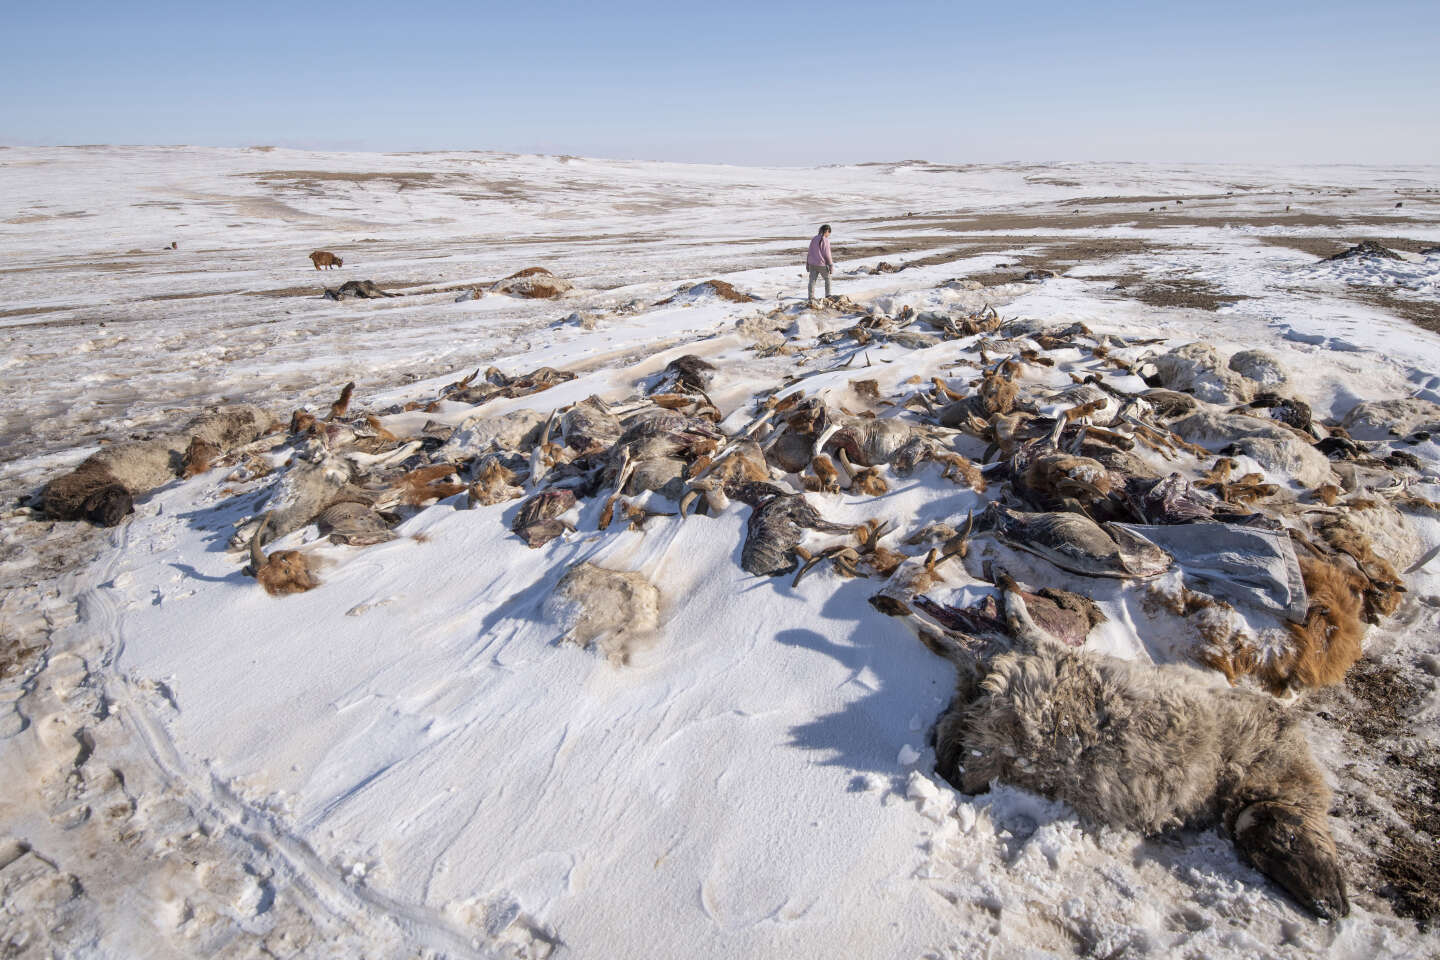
(828, 432)
(363, 460)
(627, 467)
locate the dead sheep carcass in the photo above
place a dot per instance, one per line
(1198, 369)
(1150, 748)
(613, 610)
(102, 489)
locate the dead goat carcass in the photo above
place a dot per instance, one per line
(589, 427)
(538, 520)
(357, 289)
(775, 529)
(282, 572)
(354, 523)
(1074, 542)
(684, 374)
(299, 496)
(494, 481)
(497, 384)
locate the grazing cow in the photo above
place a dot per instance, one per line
(326, 259)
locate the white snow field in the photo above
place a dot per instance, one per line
(409, 760)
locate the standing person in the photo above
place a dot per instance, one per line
(819, 262)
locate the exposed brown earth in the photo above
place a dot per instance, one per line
(1321, 247)
(1395, 858)
(30, 311)
(411, 179)
(1170, 291)
(1423, 313)
(1174, 217)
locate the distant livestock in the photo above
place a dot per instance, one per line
(326, 259)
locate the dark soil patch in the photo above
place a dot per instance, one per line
(75, 264)
(1171, 291)
(1423, 313)
(1057, 253)
(30, 311)
(308, 177)
(1174, 217)
(1367, 248)
(192, 296)
(1322, 247)
(1060, 254)
(1398, 862)
(887, 247)
(725, 291)
(1097, 201)
(1064, 252)
(18, 653)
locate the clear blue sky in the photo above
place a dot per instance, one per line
(738, 81)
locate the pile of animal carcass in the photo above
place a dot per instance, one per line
(1193, 494)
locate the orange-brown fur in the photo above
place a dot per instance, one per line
(380, 431)
(302, 422)
(1321, 649)
(1221, 647)
(825, 473)
(326, 259)
(1328, 642)
(942, 389)
(1423, 504)
(869, 481)
(1064, 475)
(1247, 489)
(421, 485)
(495, 483)
(878, 557)
(340, 407)
(286, 571)
(745, 465)
(1005, 428)
(959, 468)
(1383, 585)
(200, 456)
(997, 393)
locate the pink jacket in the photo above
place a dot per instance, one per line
(819, 255)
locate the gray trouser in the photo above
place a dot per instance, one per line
(819, 272)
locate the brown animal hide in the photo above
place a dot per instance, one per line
(342, 406)
(200, 456)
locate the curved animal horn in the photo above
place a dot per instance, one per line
(830, 431)
(960, 543)
(257, 555)
(812, 559)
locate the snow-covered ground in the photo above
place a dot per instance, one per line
(405, 759)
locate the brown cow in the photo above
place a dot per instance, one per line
(324, 258)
